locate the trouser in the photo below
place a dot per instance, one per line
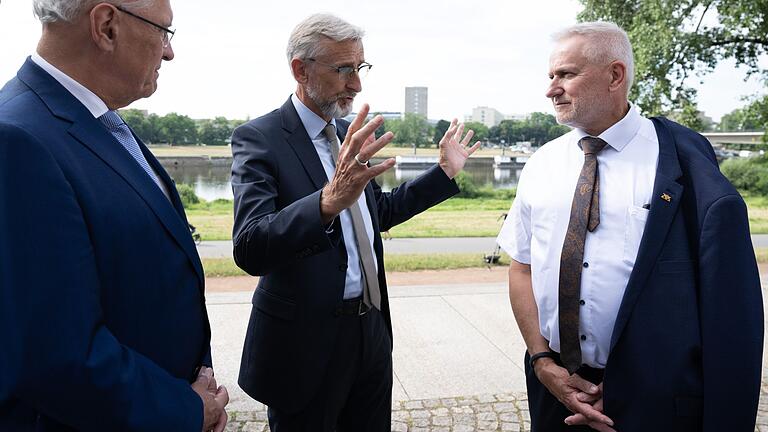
(356, 392)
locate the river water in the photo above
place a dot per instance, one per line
(212, 182)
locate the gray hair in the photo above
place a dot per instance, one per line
(49, 11)
(609, 43)
(306, 37)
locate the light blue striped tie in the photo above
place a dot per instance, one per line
(122, 133)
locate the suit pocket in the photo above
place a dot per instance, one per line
(273, 305)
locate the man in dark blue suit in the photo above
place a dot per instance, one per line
(308, 215)
(102, 311)
(633, 278)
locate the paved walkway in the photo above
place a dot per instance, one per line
(485, 245)
(457, 360)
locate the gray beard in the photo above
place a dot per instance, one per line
(330, 109)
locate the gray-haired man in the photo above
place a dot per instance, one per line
(102, 313)
(307, 219)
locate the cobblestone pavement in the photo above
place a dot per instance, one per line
(504, 412)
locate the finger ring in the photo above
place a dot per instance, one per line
(363, 163)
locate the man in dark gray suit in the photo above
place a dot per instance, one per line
(307, 220)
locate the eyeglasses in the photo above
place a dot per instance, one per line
(167, 33)
(346, 72)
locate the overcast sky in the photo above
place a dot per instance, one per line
(230, 55)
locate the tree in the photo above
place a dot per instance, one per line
(440, 128)
(140, 124)
(215, 132)
(178, 129)
(481, 130)
(413, 130)
(677, 39)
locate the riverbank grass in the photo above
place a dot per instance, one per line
(220, 267)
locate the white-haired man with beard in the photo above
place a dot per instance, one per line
(102, 308)
(308, 215)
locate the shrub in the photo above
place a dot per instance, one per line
(468, 188)
(187, 194)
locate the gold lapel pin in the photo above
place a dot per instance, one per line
(666, 197)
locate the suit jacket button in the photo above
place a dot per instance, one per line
(342, 267)
(337, 312)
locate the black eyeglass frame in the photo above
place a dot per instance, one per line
(167, 32)
(346, 71)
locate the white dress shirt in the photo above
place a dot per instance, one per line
(535, 228)
(314, 125)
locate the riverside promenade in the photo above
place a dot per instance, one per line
(458, 356)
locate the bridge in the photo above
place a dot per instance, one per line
(730, 138)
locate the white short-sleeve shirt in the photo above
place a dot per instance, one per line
(535, 228)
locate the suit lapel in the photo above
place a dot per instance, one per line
(301, 143)
(90, 133)
(666, 198)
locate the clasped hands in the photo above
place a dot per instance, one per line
(353, 172)
(214, 397)
(580, 396)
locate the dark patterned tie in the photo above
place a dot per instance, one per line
(585, 215)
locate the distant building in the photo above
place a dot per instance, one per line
(416, 100)
(490, 116)
(487, 116)
(388, 115)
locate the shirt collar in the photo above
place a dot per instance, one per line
(95, 105)
(622, 132)
(313, 123)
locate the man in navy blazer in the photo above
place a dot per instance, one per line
(318, 346)
(669, 307)
(102, 311)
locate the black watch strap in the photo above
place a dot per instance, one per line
(550, 354)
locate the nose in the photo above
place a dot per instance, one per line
(554, 89)
(354, 83)
(168, 54)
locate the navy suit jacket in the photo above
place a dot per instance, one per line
(686, 350)
(102, 314)
(277, 177)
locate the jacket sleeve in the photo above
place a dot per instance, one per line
(731, 314)
(58, 356)
(413, 197)
(265, 236)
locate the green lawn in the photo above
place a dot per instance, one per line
(457, 217)
(218, 267)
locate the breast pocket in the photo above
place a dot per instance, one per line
(633, 233)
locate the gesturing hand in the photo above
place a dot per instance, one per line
(214, 397)
(352, 170)
(453, 148)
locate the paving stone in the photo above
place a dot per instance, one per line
(510, 427)
(463, 428)
(440, 412)
(504, 407)
(419, 414)
(420, 422)
(254, 427)
(399, 426)
(442, 421)
(410, 405)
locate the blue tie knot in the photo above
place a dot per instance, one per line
(112, 120)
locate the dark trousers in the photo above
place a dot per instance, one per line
(356, 391)
(547, 413)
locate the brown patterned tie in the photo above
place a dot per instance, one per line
(585, 215)
(370, 281)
